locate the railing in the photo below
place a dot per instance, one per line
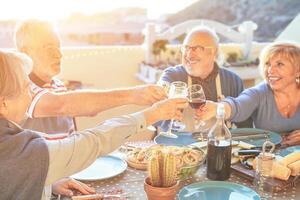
(244, 35)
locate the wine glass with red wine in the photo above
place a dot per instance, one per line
(197, 99)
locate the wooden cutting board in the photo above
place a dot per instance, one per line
(275, 184)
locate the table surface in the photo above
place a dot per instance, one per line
(131, 182)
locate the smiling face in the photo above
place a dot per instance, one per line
(40, 41)
(280, 72)
(199, 52)
(281, 66)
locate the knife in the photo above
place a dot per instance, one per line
(237, 137)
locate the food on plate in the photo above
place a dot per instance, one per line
(295, 168)
(191, 157)
(290, 158)
(245, 145)
(185, 157)
(138, 157)
(234, 160)
(279, 171)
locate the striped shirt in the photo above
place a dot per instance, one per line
(60, 126)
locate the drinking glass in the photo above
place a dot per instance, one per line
(177, 90)
(165, 85)
(197, 99)
(263, 177)
(178, 125)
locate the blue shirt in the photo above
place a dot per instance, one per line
(259, 103)
(231, 85)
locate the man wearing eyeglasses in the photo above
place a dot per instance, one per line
(199, 55)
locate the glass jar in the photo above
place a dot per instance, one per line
(263, 178)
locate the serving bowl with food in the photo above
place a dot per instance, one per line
(188, 160)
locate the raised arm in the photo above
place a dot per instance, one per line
(79, 150)
(237, 109)
(210, 110)
(90, 102)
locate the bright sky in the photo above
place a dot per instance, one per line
(57, 9)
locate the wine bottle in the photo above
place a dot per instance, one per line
(219, 148)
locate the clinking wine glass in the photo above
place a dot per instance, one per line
(177, 90)
(178, 125)
(197, 99)
(165, 85)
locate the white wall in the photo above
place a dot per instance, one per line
(103, 68)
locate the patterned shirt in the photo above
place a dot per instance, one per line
(60, 126)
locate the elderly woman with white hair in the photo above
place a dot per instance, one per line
(29, 162)
(275, 103)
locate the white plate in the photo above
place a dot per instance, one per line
(103, 168)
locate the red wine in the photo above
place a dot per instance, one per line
(218, 160)
(196, 103)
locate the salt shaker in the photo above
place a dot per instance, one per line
(264, 165)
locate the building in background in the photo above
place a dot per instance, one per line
(124, 26)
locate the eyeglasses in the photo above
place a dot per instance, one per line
(197, 48)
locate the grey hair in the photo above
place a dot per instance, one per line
(210, 32)
(204, 29)
(287, 49)
(12, 65)
(26, 31)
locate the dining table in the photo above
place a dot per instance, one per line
(131, 183)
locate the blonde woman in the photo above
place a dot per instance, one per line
(274, 104)
(29, 162)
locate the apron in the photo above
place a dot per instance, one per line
(220, 96)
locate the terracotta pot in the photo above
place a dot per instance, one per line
(160, 193)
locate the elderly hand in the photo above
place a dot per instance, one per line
(206, 111)
(66, 186)
(165, 109)
(291, 139)
(147, 94)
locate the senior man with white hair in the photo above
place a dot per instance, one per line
(199, 56)
(53, 106)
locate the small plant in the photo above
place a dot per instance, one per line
(232, 57)
(162, 169)
(159, 46)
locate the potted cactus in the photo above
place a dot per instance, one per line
(162, 182)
